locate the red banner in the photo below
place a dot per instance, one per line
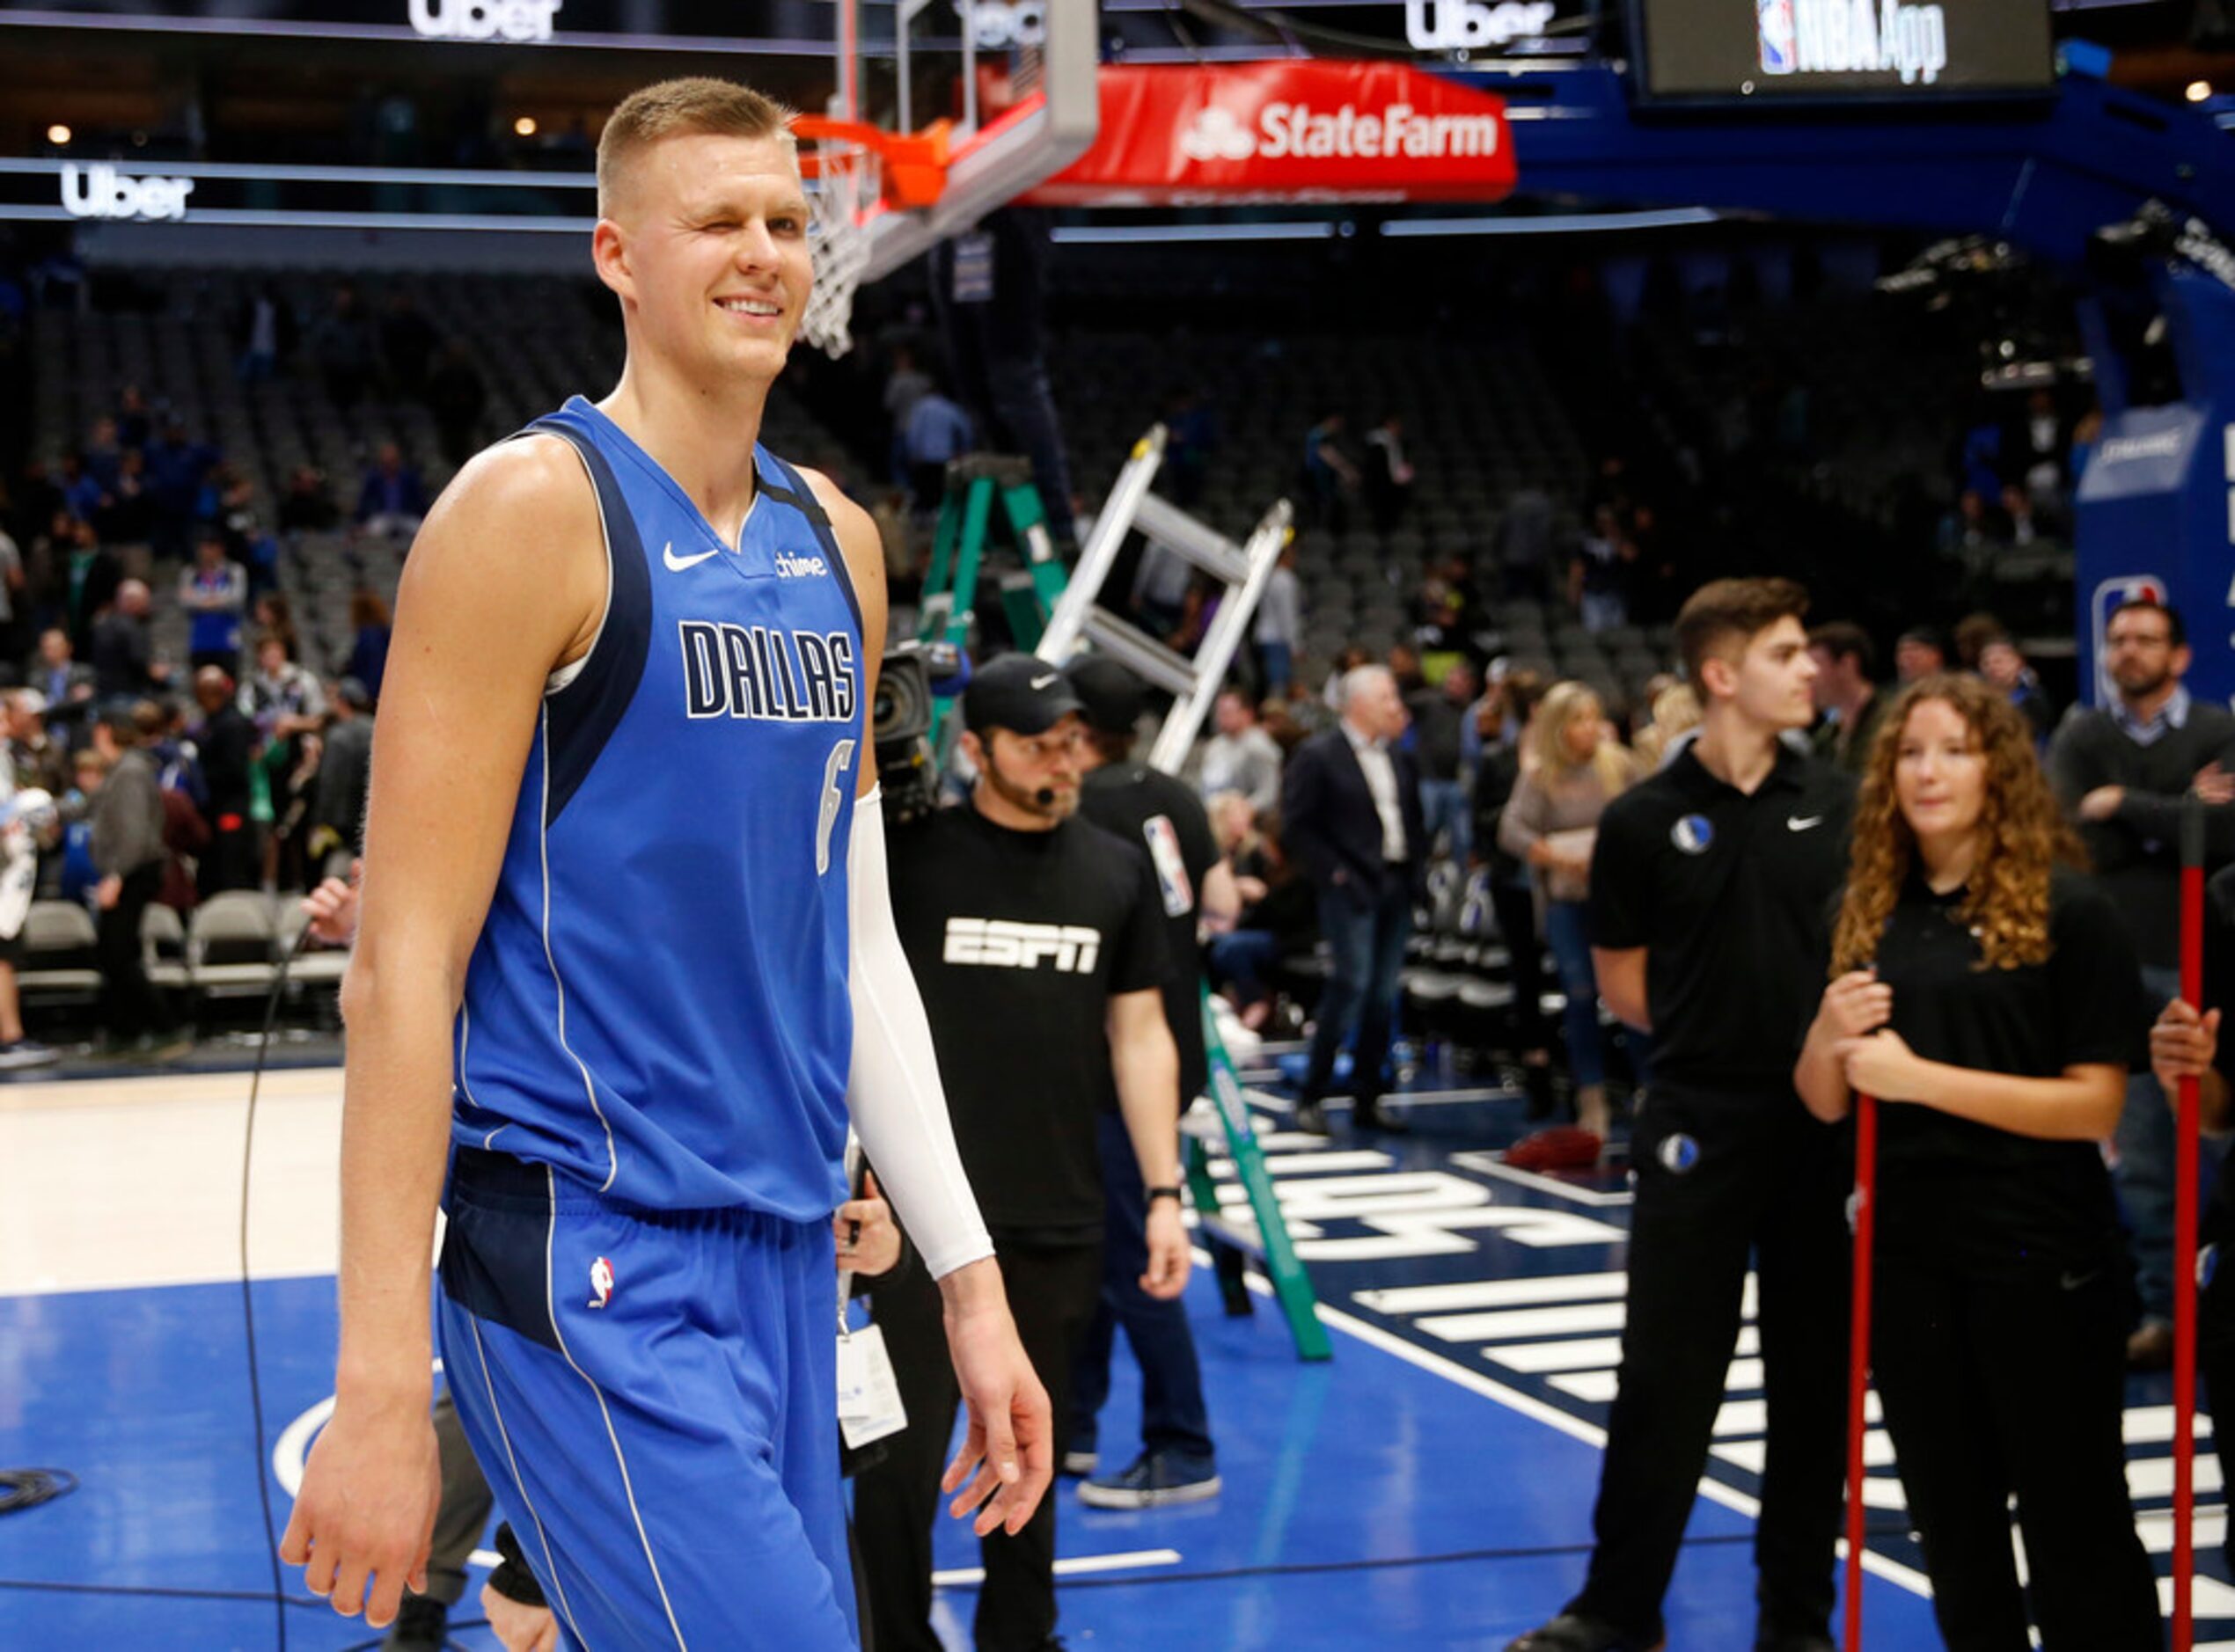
(1304, 130)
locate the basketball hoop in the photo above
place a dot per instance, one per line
(859, 171)
(846, 176)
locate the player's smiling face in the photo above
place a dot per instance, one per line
(716, 252)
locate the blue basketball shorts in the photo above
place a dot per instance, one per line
(654, 1399)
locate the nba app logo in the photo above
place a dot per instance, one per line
(1780, 40)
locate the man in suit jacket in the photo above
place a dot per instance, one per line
(1350, 813)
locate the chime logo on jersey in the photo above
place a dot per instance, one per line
(997, 943)
(1692, 834)
(792, 567)
(601, 1283)
(797, 676)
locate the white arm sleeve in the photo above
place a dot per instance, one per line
(893, 1087)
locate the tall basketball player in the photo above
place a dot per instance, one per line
(626, 958)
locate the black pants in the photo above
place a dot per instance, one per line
(2000, 1382)
(1052, 1293)
(1516, 910)
(463, 1515)
(130, 1005)
(1173, 1416)
(1723, 1181)
(2216, 1346)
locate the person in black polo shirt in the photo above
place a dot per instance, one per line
(1037, 941)
(1710, 884)
(1162, 816)
(1986, 993)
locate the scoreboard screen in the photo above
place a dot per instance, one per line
(1800, 52)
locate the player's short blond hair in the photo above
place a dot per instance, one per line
(695, 106)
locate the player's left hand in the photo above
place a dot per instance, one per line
(1883, 1065)
(522, 1629)
(1007, 1458)
(1169, 1259)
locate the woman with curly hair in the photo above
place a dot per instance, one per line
(1984, 991)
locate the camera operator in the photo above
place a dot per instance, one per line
(1037, 941)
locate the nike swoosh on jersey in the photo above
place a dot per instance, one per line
(1794, 823)
(677, 563)
(1039, 683)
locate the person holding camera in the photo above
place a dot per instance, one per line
(1037, 942)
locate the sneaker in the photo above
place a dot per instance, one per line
(1572, 1632)
(1079, 1464)
(27, 1052)
(2151, 1348)
(1153, 1479)
(1556, 1147)
(422, 1623)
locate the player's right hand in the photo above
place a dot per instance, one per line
(1007, 1457)
(364, 1519)
(1856, 1004)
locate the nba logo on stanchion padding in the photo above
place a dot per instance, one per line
(1780, 40)
(1693, 834)
(2112, 595)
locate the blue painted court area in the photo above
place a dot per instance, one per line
(1430, 1488)
(1368, 1502)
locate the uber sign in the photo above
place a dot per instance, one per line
(101, 190)
(1470, 25)
(516, 21)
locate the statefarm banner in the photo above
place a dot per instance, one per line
(1309, 130)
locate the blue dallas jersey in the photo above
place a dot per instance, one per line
(657, 1003)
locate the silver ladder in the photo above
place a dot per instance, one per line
(1242, 569)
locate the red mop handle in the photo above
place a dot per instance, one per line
(1859, 1356)
(2184, 1245)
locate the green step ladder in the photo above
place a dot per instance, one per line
(975, 483)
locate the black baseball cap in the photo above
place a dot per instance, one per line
(1018, 693)
(1110, 697)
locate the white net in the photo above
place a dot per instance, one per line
(838, 237)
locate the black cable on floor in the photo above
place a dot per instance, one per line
(247, 1290)
(149, 1591)
(22, 1488)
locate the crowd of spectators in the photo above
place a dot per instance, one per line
(241, 766)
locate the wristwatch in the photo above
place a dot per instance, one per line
(1154, 1194)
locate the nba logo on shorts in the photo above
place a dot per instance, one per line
(1780, 42)
(1692, 834)
(601, 1283)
